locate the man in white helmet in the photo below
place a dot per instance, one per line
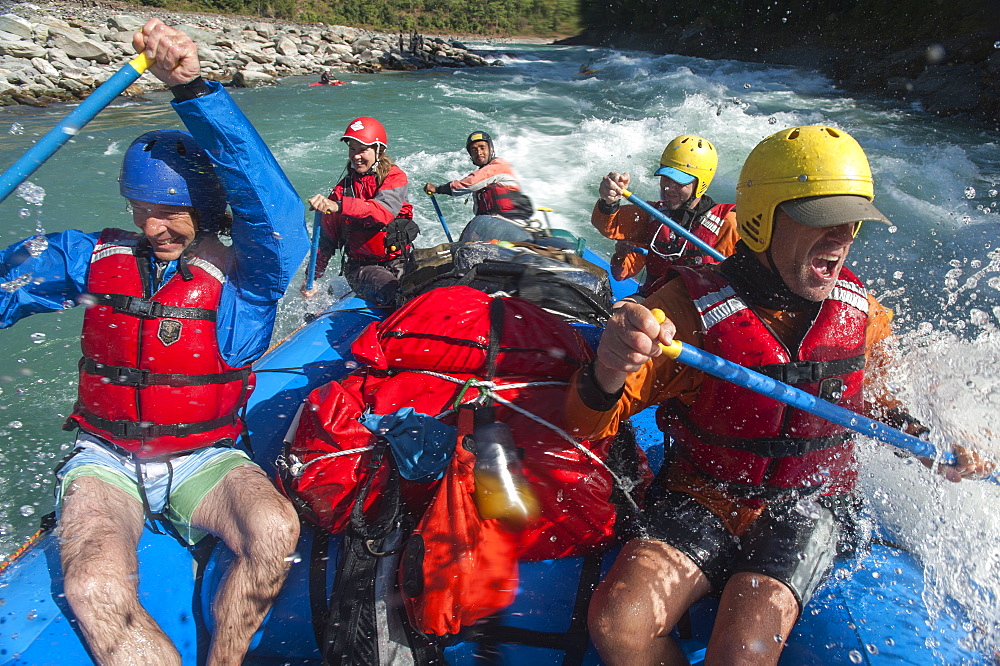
(752, 502)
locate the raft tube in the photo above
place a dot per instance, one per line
(869, 611)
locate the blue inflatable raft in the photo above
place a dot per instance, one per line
(869, 611)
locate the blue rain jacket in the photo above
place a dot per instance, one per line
(269, 237)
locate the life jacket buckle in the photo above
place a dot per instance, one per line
(137, 377)
(142, 307)
(831, 389)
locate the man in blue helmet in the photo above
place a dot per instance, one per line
(174, 321)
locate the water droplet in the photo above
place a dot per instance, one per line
(754, 583)
(27, 510)
(777, 638)
(970, 193)
(24, 213)
(31, 615)
(16, 425)
(996, 45)
(31, 193)
(855, 657)
(890, 642)
(772, 121)
(893, 229)
(746, 86)
(37, 244)
(13, 285)
(294, 558)
(16, 128)
(6, 528)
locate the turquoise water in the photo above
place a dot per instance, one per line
(937, 266)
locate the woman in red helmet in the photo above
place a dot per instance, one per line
(368, 216)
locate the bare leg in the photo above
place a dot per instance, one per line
(756, 614)
(644, 595)
(261, 528)
(100, 526)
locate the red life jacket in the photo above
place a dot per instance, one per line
(152, 379)
(756, 445)
(678, 250)
(505, 201)
(380, 239)
(413, 359)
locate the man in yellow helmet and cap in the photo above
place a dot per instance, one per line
(687, 167)
(757, 493)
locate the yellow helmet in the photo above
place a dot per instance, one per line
(797, 163)
(689, 157)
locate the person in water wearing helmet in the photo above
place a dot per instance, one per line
(756, 494)
(687, 167)
(367, 215)
(174, 320)
(500, 208)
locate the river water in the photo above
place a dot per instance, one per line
(938, 267)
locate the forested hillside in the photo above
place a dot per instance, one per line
(478, 17)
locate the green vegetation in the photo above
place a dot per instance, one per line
(479, 17)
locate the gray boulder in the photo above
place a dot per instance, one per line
(85, 48)
(125, 23)
(251, 79)
(15, 25)
(198, 35)
(45, 67)
(21, 49)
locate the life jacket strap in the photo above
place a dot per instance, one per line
(147, 309)
(809, 372)
(766, 447)
(145, 430)
(141, 378)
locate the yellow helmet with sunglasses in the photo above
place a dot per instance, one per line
(689, 157)
(818, 175)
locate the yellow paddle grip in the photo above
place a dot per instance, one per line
(673, 350)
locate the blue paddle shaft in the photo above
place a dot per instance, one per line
(444, 226)
(314, 250)
(702, 245)
(70, 125)
(789, 395)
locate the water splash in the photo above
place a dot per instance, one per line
(16, 128)
(31, 193)
(10, 286)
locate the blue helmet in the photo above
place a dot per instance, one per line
(168, 167)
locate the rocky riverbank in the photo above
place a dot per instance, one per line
(953, 75)
(60, 51)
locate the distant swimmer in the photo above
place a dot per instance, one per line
(586, 69)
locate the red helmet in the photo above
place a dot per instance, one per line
(367, 131)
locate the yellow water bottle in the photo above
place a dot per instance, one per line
(501, 493)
